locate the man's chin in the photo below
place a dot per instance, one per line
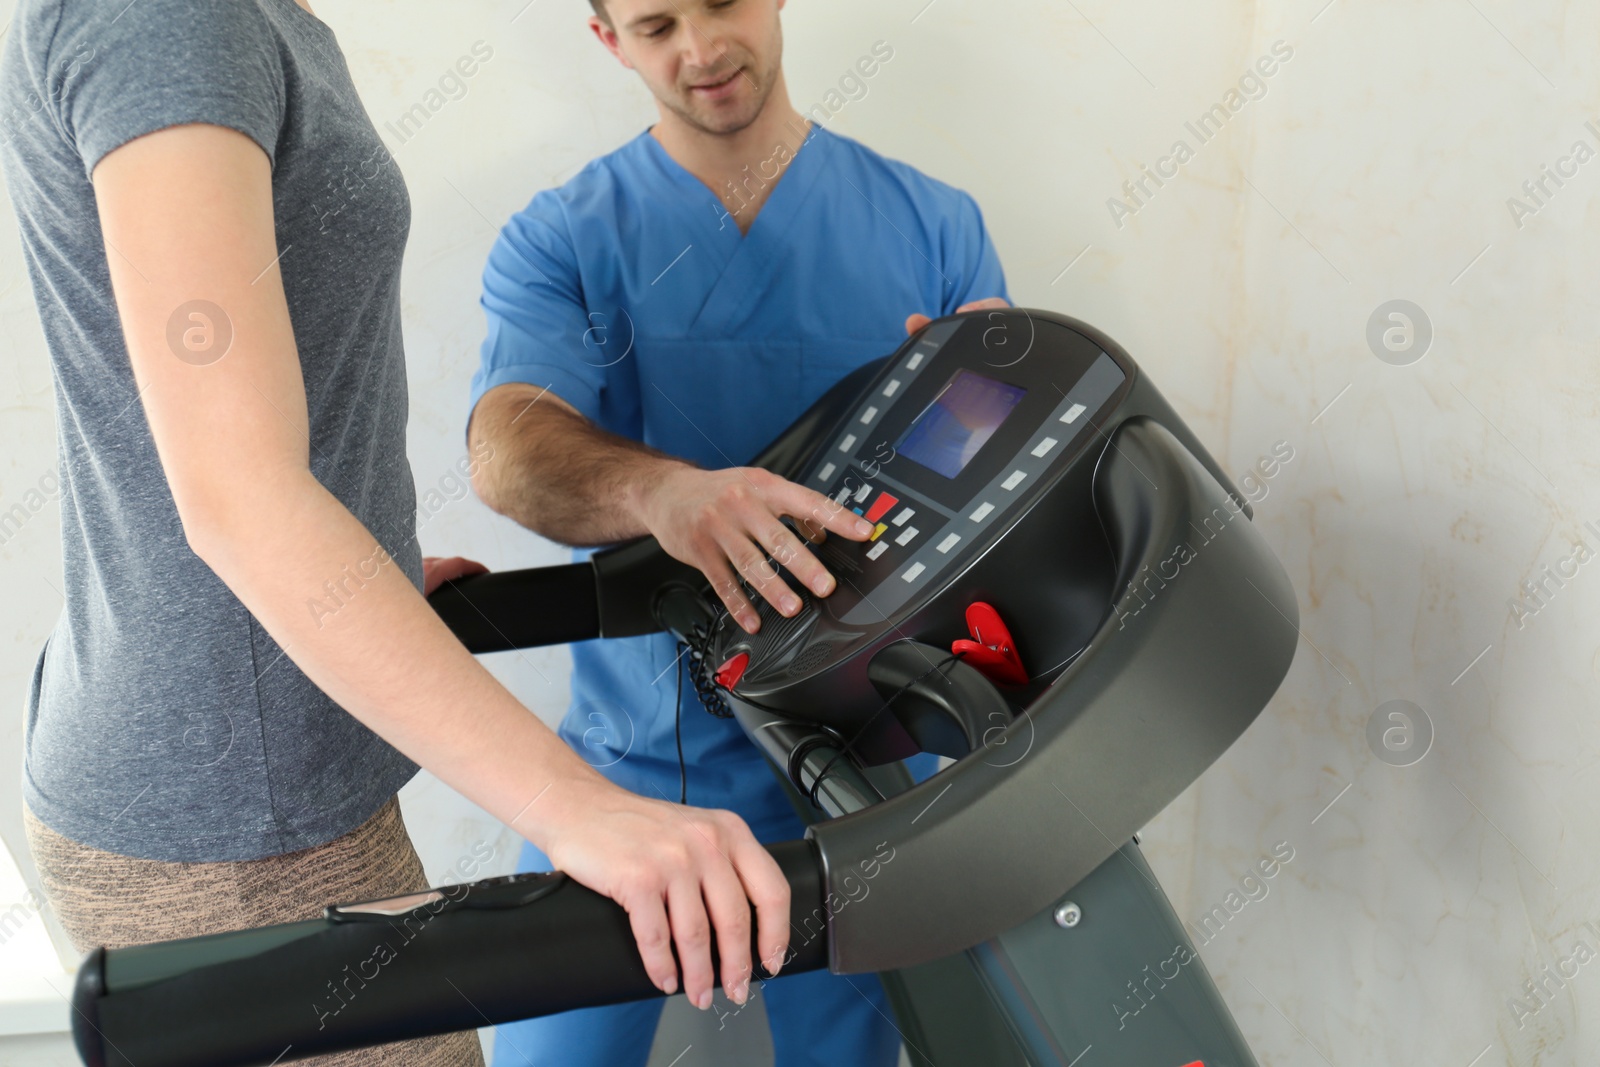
(720, 119)
(725, 124)
(718, 122)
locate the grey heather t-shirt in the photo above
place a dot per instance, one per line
(163, 722)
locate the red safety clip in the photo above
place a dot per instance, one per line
(732, 670)
(991, 649)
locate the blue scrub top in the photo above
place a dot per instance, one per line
(630, 293)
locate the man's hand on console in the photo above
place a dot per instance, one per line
(917, 322)
(728, 524)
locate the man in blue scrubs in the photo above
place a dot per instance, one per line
(652, 324)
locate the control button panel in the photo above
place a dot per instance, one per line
(942, 449)
(887, 549)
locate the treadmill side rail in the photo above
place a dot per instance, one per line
(504, 610)
(488, 952)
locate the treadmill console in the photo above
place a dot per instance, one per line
(964, 429)
(961, 430)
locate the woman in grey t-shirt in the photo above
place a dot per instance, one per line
(244, 671)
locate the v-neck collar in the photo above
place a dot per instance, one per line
(775, 216)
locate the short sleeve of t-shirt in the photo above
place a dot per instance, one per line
(539, 331)
(119, 71)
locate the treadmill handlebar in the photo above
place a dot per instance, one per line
(447, 959)
(491, 612)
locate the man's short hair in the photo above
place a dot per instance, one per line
(600, 10)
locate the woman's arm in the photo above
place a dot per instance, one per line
(187, 215)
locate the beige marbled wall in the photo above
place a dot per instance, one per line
(1374, 164)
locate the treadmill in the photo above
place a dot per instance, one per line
(1064, 595)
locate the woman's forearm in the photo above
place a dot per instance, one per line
(343, 612)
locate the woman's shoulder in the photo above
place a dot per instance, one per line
(54, 41)
(104, 72)
(170, 17)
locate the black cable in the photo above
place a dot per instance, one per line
(782, 715)
(677, 712)
(816, 782)
(705, 686)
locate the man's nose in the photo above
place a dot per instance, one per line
(704, 51)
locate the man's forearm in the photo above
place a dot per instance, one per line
(558, 474)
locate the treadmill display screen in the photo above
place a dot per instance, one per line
(965, 414)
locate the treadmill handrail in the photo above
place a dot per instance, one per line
(1177, 671)
(469, 958)
(612, 593)
(528, 608)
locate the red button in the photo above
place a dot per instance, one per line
(881, 506)
(729, 673)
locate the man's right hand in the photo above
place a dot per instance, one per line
(727, 524)
(680, 873)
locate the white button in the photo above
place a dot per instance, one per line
(900, 519)
(877, 550)
(907, 537)
(894, 383)
(1072, 413)
(842, 495)
(1013, 481)
(869, 414)
(826, 472)
(915, 361)
(1044, 447)
(848, 443)
(950, 541)
(862, 493)
(912, 571)
(982, 512)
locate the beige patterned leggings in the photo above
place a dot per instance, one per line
(103, 898)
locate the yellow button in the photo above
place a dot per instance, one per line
(877, 531)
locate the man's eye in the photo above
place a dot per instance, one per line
(659, 31)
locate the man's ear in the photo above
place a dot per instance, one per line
(607, 36)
